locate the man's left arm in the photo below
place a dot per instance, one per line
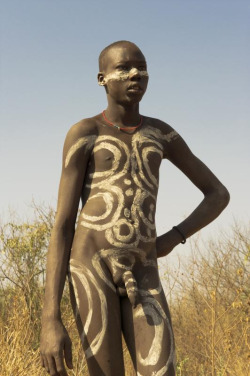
(216, 196)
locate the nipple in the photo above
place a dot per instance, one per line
(131, 287)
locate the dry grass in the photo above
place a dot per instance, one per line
(210, 308)
(209, 305)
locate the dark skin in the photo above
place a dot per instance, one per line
(123, 96)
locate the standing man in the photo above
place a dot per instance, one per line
(111, 162)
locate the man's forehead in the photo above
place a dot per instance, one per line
(124, 53)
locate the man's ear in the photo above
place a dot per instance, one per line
(101, 79)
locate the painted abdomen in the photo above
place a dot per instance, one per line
(122, 190)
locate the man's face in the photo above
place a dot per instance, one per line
(124, 74)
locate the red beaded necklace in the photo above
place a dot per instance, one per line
(117, 126)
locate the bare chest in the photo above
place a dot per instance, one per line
(130, 154)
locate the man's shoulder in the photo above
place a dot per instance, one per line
(84, 127)
(162, 132)
(81, 136)
(158, 124)
(80, 140)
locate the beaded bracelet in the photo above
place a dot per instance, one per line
(182, 235)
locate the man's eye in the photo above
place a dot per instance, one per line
(122, 68)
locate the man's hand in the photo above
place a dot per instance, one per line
(166, 242)
(55, 347)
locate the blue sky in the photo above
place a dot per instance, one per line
(198, 62)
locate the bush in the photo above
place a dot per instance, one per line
(209, 303)
(210, 308)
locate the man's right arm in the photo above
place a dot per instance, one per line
(54, 338)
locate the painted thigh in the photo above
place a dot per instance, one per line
(149, 336)
(97, 310)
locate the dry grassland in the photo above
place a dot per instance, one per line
(208, 298)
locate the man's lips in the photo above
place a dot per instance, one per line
(134, 88)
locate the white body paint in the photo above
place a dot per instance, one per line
(131, 181)
(87, 142)
(78, 270)
(123, 75)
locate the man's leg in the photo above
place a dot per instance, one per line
(97, 310)
(149, 336)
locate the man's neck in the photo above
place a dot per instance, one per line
(123, 115)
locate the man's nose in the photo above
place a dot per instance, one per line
(134, 74)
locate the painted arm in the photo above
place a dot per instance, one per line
(55, 342)
(216, 196)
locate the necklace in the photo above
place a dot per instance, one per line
(117, 126)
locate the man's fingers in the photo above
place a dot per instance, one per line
(42, 361)
(46, 365)
(60, 366)
(68, 353)
(52, 366)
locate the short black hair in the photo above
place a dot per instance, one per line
(109, 47)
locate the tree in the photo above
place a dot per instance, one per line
(23, 248)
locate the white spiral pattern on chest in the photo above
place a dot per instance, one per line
(109, 183)
(146, 144)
